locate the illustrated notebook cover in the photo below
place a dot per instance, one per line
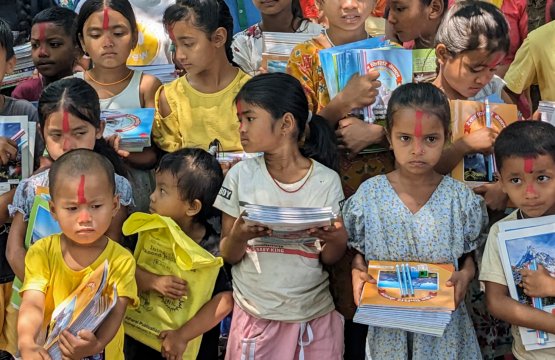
(134, 126)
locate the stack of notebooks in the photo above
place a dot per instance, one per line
(278, 47)
(134, 126)
(408, 296)
(164, 72)
(526, 244)
(24, 66)
(547, 109)
(23, 132)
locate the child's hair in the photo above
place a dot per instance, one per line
(261, 91)
(422, 96)
(81, 100)
(24, 18)
(205, 15)
(428, 2)
(59, 16)
(6, 39)
(474, 25)
(525, 139)
(199, 177)
(92, 6)
(78, 161)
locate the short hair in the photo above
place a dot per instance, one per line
(529, 138)
(199, 177)
(77, 162)
(59, 16)
(6, 39)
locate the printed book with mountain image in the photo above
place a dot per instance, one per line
(522, 243)
(134, 126)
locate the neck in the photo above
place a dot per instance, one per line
(340, 37)
(193, 229)
(284, 163)
(109, 75)
(50, 79)
(426, 39)
(442, 84)
(281, 22)
(214, 78)
(410, 180)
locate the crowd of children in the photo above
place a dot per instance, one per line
(286, 300)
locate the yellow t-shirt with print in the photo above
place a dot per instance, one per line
(47, 272)
(197, 118)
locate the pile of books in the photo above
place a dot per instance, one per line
(278, 47)
(408, 296)
(134, 126)
(164, 72)
(526, 244)
(23, 132)
(547, 109)
(24, 66)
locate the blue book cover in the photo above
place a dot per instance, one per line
(134, 126)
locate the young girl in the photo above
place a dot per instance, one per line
(277, 16)
(69, 119)
(83, 201)
(416, 214)
(283, 307)
(107, 31)
(54, 51)
(197, 108)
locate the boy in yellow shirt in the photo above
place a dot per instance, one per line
(83, 202)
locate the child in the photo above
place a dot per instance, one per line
(532, 190)
(283, 307)
(197, 108)
(279, 16)
(107, 32)
(187, 183)
(415, 22)
(84, 201)
(416, 214)
(54, 51)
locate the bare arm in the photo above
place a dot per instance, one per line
(15, 250)
(450, 157)
(149, 86)
(235, 234)
(114, 231)
(5, 200)
(29, 324)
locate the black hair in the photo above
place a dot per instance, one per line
(525, 139)
(422, 96)
(77, 162)
(261, 90)
(205, 15)
(428, 2)
(199, 177)
(92, 6)
(59, 16)
(6, 39)
(473, 25)
(81, 100)
(24, 18)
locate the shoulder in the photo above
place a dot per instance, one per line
(242, 77)
(248, 167)
(456, 187)
(150, 82)
(117, 254)
(45, 247)
(322, 172)
(19, 107)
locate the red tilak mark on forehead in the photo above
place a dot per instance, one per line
(42, 32)
(106, 19)
(529, 165)
(81, 191)
(418, 124)
(65, 122)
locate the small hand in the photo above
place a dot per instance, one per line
(243, 232)
(227, 165)
(78, 347)
(494, 196)
(8, 150)
(538, 283)
(460, 280)
(173, 344)
(359, 278)
(114, 141)
(479, 141)
(170, 286)
(361, 91)
(334, 233)
(354, 135)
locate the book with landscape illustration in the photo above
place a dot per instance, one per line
(17, 128)
(134, 126)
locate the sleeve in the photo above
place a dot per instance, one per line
(37, 267)
(475, 218)
(19, 91)
(123, 276)
(335, 195)
(522, 72)
(354, 219)
(23, 199)
(492, 267)
(300, 66)
(164, 131)
(228, 198)
(33, 115)
(124, 190)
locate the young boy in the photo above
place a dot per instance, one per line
(53, 49)
(525, 157)
(82, 188)
(187, 183)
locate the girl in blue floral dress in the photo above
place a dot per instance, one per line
(416, 214)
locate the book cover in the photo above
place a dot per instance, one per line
(424, 65)
(16, 128)
(468, 116)
(134, 126)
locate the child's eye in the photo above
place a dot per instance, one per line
(543, 178)
(96, 206)
(35, 45)
(250, 119)
(399, 9)
(55, 45)
(71, 208)
(515, 181)
(94, 35)
(431, 139)
(55, 136)
(119, 33)
(404, 138)
(81, 133)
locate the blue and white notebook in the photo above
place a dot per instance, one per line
(134, 126)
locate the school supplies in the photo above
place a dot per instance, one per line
(277, 49)
(408, 296)
(134, 126)
(470, 116)
(20, 130)
(424, 65)
(164, 72)
(24, 66)
(525, 244)
(547, 111)
(84, 309)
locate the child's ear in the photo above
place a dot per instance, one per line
(53, 210)
(115, 204)
(10, 64)
(100, 131)
(437, 9)
(442, 54)
(135, 39)
(80, 36)
(194, 208)
(388, 137)
(288, 123)
(219, 37)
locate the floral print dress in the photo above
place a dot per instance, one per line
(381, 227)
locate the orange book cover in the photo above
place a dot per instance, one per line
(427, 287)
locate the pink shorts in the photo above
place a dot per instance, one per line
(251, 338)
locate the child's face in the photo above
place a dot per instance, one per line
(84, 206)
(347, 15)
(530, 184)
(63, 132)
(108, 48)
(468, 72)
(259, 132)
(52, 50)
(6, 65)
(165, 200)
(408, 19)
(272, 7)
(417, 140)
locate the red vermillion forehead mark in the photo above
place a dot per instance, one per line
(528, 165)
(418, 124)
(106, 19)
(65, 129)
(42, 32)
(81, 191)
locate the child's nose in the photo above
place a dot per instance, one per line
(349, 4)
(417, 147)
(84, 216)
(42, 50)
(531, 191)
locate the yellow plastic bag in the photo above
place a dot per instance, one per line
(164, 249)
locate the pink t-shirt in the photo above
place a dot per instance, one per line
(29, 89)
